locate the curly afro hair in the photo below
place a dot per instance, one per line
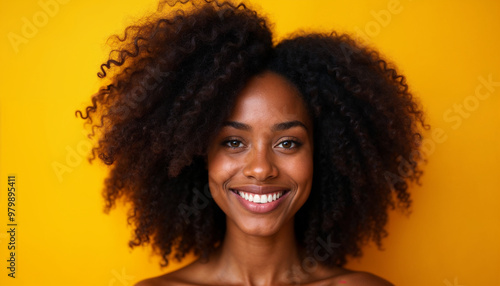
(172, 82)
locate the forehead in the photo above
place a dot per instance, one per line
(271, 98)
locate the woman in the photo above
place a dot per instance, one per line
(271, 163)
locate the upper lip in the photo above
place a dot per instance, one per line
(259, 189)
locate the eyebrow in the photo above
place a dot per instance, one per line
(237, 125)
(276, 127)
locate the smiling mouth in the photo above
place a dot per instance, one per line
(259, 198)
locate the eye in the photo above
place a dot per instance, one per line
(288, 144)
(233, 144)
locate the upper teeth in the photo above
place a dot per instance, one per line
(260, 199)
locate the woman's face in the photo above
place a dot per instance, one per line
(260, 164)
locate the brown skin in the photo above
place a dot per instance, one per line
(260, 249)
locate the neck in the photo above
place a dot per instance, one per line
(258, 260)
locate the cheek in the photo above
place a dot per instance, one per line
(220, 170)
(306, 176)
(301, 171)
(302, 166)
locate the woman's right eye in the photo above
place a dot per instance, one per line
(233, 144)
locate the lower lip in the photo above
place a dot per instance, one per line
(260, 208)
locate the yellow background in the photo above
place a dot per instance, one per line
(444, 48)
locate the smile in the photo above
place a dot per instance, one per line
(259, 199)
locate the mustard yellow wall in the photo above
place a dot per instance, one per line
(49, 57)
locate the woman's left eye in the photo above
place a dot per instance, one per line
(287, 144)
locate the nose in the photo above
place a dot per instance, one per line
(260, 165)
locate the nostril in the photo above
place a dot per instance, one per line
(260, 168)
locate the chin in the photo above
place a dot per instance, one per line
(262, 226)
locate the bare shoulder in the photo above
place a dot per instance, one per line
(339, 276)
(188, 275)
(148, 282)
(162, 280)
(355, 278)
(168, 279)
